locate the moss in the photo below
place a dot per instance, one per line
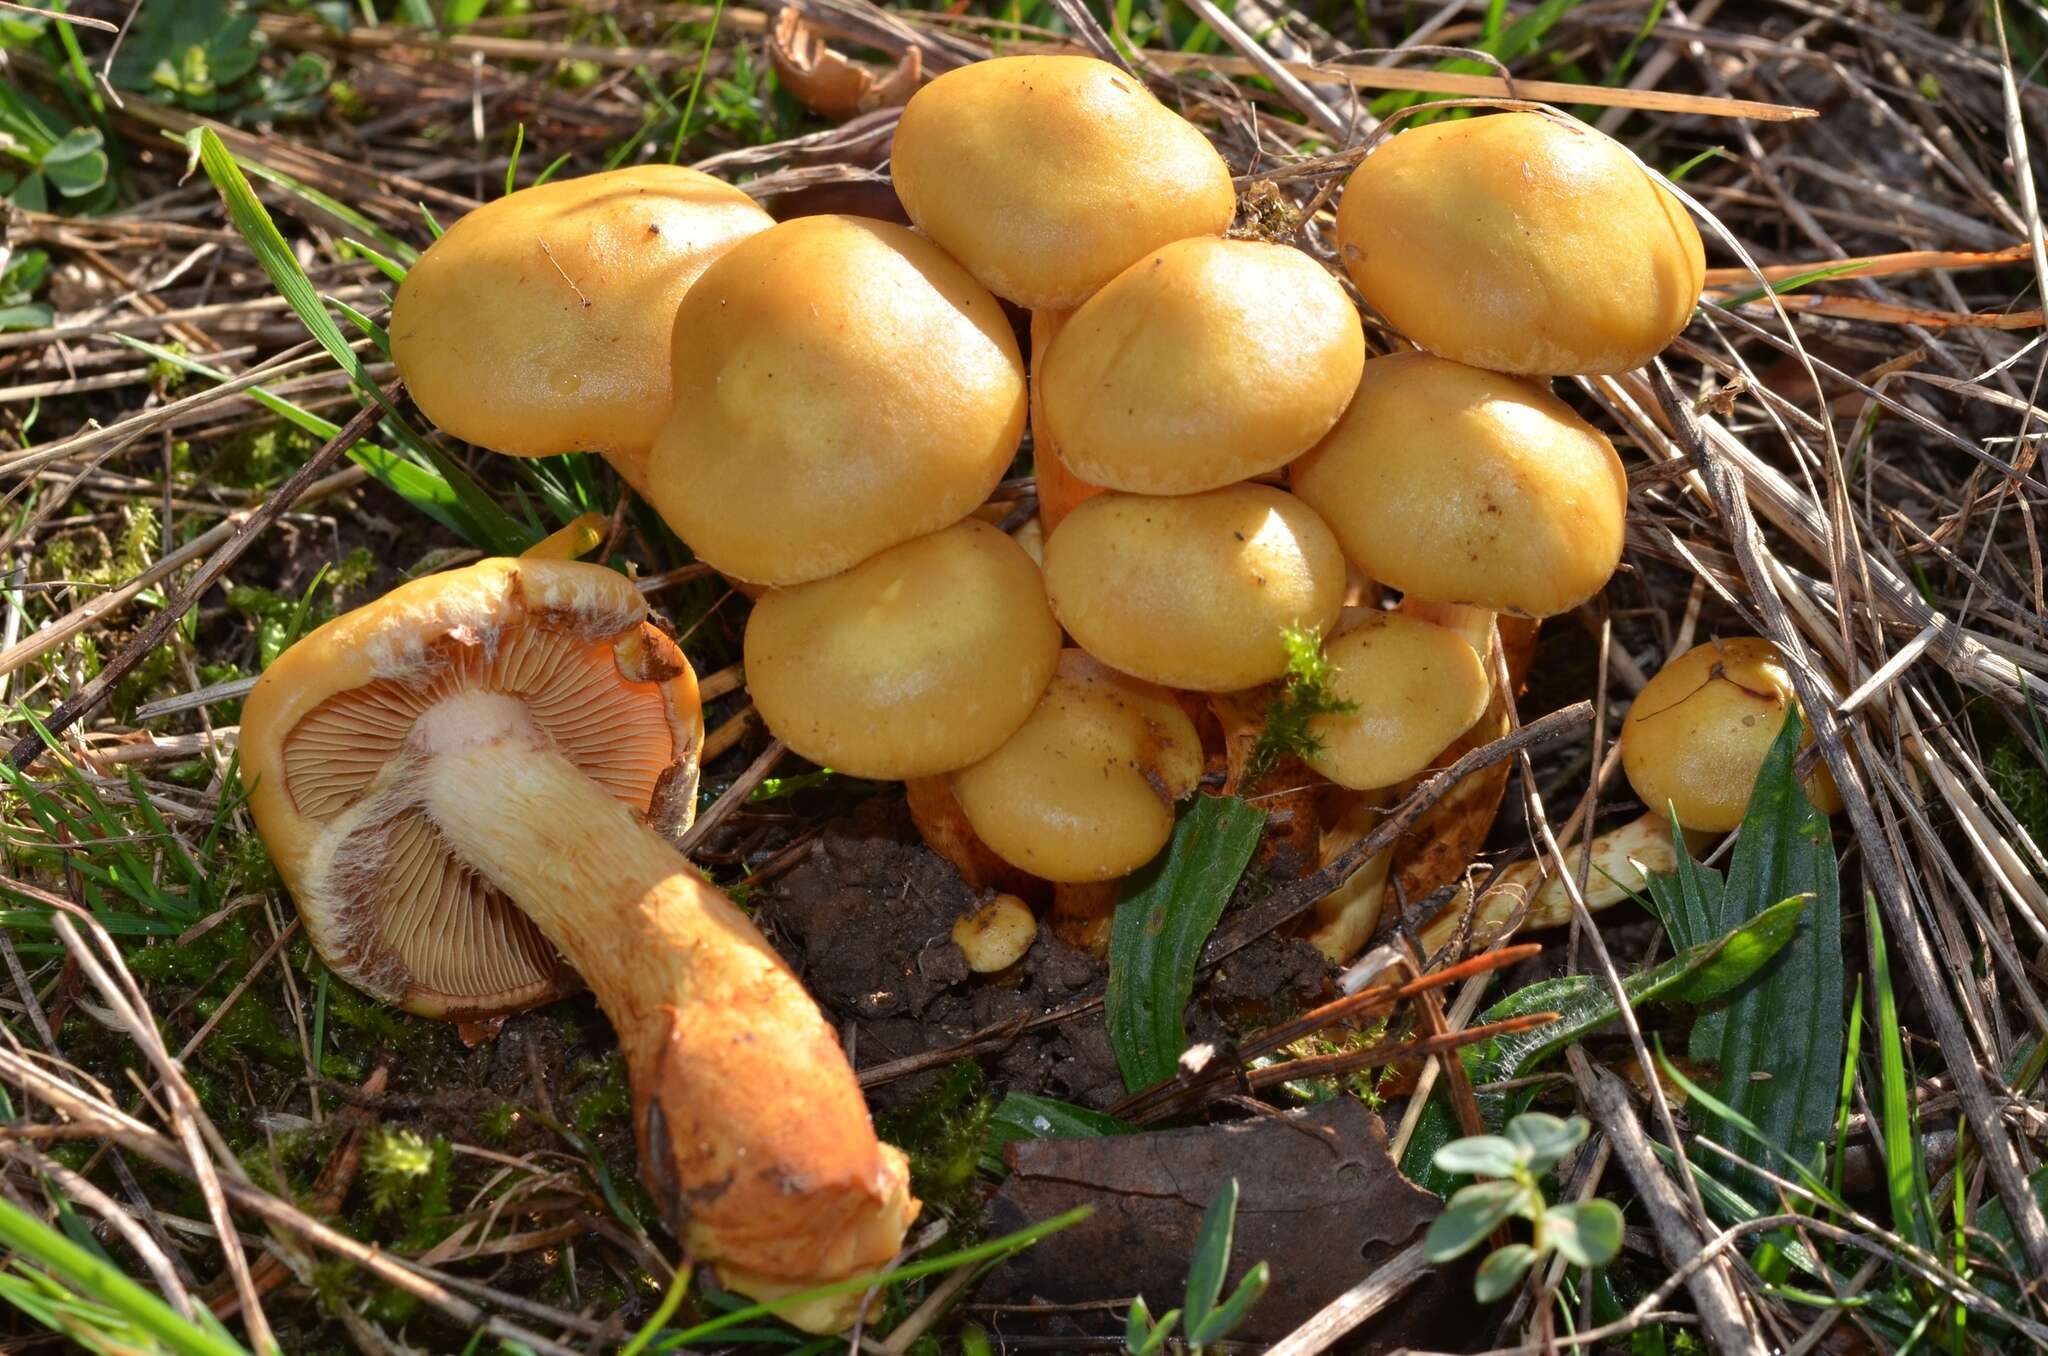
(260, 457)
(495, 1124)
(2022, 786)
(1304, 695)
(408, 1179)
(944, 1133)
(610, 1101)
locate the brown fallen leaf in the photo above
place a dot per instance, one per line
(1319, 1201)
(830, 84)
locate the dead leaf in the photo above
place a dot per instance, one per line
(829, 84)
(1319, 1201)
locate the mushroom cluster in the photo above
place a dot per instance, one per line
(474, 787)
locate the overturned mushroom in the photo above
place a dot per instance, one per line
(540, 323)
(466, 786)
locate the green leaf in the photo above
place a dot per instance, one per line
(1224, 1318)
(1779, 1046)
(1747, 950)
(1024, 1115)
(1212, 1255)
(1502, 1271)
(1543, 1139)
(1168, 910)
(193, 50)
(77, 164)
(1587, 1233)
(1584, 1004)
(1481, 1156)
(1473, 1214)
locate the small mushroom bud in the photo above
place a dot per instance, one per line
(996, 934)
(1049, 175)
(1465, 486)
(1700, 729)
(1194, 591)
(1522, 243)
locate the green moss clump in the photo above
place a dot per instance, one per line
(1304, 695)
(408, 1179)
(610, 1101)
(944, 1133)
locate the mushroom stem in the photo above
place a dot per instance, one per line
(753, 1133)
(1622, 859)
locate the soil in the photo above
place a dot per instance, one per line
(866, 919)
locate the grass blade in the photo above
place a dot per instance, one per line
(1905, 1171)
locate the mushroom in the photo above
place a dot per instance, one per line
(1522, 894)
(467, 786)
(841, 386)
(1194, 591)
(1522, 242)
(1206, 362)
(1693, 743)
(1059, 489)
(1085, 789)
(917, 661)
(994, 936)
(1697, 734)
(540, 323)
(1414, 686)
(1049, 175)
(1465, 486)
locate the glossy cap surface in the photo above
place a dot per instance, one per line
(1522, 243)
(540, 322)
(1049, 175)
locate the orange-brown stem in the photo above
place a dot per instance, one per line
(753, 1132)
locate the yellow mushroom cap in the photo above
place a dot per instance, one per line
(1466, 486)
(1417, 686)
(1521, 243)
(1049, 175)
(1205, 363)
(1084, 791)
(539, 323)
(327, 734)
(1194, 591)
(916, 661)
(1699, 731)
(995, 935)
(841, 386)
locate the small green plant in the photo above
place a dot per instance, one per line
(1587, 1233)
(1304, 695)
(1204, 1319)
